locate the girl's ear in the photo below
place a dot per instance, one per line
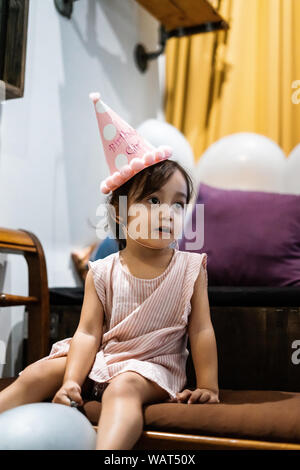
(118, 219)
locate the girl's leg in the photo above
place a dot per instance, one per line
(37, 382)
(121, 422)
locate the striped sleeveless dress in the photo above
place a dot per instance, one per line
(145, 324)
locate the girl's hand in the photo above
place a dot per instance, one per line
(199, 395)
(69, 391)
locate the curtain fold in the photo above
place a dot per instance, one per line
(238, 80)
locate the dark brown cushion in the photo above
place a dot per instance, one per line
(247, 414)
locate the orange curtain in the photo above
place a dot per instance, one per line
(238, 80)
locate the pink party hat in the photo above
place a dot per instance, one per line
(125, 150)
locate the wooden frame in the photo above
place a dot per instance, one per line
(13, 42)
(155, 440)
(37, 303)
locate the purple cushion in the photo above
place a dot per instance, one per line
(252, 238)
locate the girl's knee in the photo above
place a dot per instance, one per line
(124, 386)
(135, 386)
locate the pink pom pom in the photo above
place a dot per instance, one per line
(104, 189)
(126, 171)
(159, 156)
(168, 151)
(149, 158)
(117, 178)
(94, 96)
(137, 164)
(109, 183)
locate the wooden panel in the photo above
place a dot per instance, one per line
(255, 347)
(5, 382)
(64, 321)
(181, 13)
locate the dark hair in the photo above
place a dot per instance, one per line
(144, 183)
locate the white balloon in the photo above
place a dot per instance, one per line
(244, 160)
(45, 426)
(292, 174)
(163, 133)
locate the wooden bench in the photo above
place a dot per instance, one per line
(258, 409)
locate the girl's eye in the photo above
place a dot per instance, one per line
(180, 204)
(153, 197)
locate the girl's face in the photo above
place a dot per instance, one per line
(157, 220)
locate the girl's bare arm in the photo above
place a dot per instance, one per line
(202, 337)
(87, 338)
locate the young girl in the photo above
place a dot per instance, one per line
(139, 304)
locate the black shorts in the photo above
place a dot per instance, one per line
(92, 390)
